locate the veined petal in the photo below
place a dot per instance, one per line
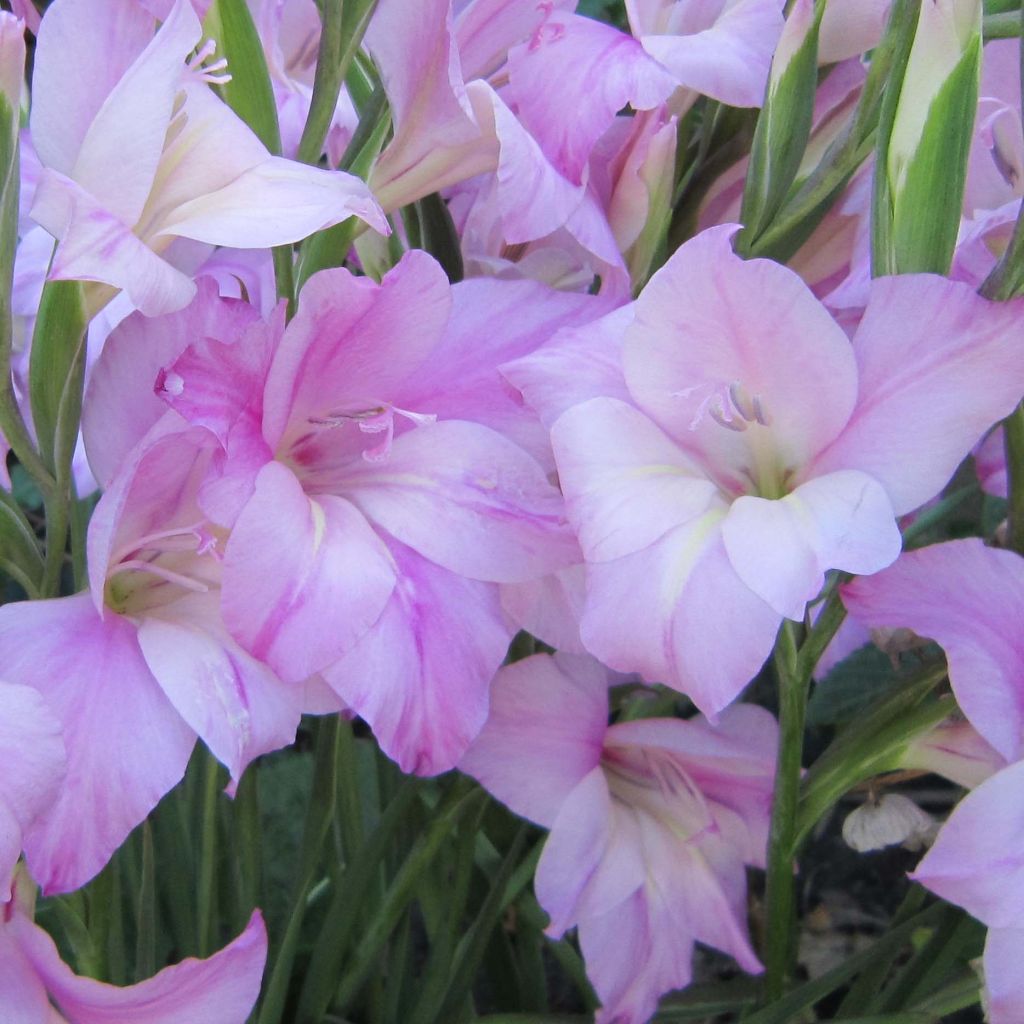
(95, 680)
(32, 765)
(625, 483)
(118, 159)
(239, 708)
(420, 674)
(550, 608)
(21, 992)
(274, 203)
(544, 733)
(969, 599)
(219, 990)
(782, 549)
(354, 341)
(937, 366)
(69, 83)
(120, 404)
(304, 578)
(96, 246)
(568, 114)
(487, 29)
(677, 613)
(469, 499)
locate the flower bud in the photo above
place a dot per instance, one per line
(928, 146)
(956, 751)
(12, 65)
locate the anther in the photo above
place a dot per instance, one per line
(717, 413)
(741, 401)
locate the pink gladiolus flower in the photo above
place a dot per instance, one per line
(138, 151)
(977, 863)
(969, 599)
(365, 485)
(32, 765)
(37, 987)
(145, 656)
(652, 822)
(754, 453)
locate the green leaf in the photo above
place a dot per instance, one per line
(20, 556)
(439, 236)
(249, 93)
(56, 369)
(851, 686)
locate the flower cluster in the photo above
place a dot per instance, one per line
(346, 346)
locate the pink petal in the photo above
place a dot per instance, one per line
(468, 499)
(677, 613)
(634, 953)
(239, 708)
(32, 762)
(95, 680)
(461, 380)
(220, 377)
(938, 365)
(412, 43)
(578, 363)
(486, 29)
(21, 992)
(274, 203)
(420, 675)
(848, 30)
(1004, 986)
(118, 159)
(977, 860)
(970, 600)
(69, 83)
(727, 59)
(95, 245)
(120, 404)
(304, 577)
(544, 733)
(592, 860)
(782, 549)
(708, 322)
(550, 608)
(354, 343)
(219, 990)
(568, 114)
(625, 483)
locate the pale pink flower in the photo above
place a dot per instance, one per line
(754, 452)
(137, 151)
(652, 823)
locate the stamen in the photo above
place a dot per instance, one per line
(207, 72)
(741, 401)
(140, 565)
(376, 419)
(760, 414)
(718, 414)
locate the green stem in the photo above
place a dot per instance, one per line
(205, 917)
(1013, 427)
(284, 275)
(780, 895)
(56, 505)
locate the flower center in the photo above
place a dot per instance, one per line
(197, 68)
(154, 569)
(374, 419)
